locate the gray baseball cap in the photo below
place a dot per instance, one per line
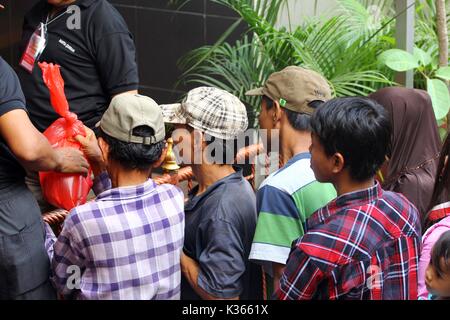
(128, 111)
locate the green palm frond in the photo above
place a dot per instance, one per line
(343, 48)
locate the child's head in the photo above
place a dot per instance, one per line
(437, 276)
(349, 136)
(131, 134)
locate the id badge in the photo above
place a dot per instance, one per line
(35, 47)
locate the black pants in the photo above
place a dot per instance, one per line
(24, 263)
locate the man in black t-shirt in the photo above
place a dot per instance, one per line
(92, 44)
(24, 263)
(96, 53)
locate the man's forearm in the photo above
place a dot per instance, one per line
(190, 270)
(42, 157)
(31, 148)
(278, 270)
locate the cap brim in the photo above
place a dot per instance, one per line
(255, 92)
(171, 113)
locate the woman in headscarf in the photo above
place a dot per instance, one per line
(415, 144)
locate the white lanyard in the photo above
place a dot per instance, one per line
(47, 23)
(36, 44)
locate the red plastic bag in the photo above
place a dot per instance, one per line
(63, 190)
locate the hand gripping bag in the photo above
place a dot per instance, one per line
(63, 190)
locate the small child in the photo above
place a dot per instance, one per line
(127, 244)
(437, 275)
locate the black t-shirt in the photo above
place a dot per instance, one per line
(220, 224)
(97, 61)
(11, 98)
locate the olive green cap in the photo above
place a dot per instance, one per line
(294, 88)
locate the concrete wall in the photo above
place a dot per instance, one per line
(296, 11)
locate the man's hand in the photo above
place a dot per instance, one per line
(71, 160)
(89, 145)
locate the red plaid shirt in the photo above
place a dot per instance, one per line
(362, 245)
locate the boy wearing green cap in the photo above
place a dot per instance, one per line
(290, 195)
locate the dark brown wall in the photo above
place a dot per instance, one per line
(162, 35)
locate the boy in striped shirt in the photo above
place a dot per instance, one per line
(290, 195)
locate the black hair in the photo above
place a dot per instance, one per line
(441, 251)
(441, 189)
(299, 121)
(134, 156)
(359, 129)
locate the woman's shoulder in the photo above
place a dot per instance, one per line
(435, 231)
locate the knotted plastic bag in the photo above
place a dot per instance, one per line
(63, 190)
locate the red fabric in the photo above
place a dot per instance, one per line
(363, 245)
(63, 190)
(437, 214)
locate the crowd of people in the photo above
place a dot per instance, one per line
(360, 208)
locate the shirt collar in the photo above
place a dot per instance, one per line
(131, 192)
(294, 159)
(352, 199)
(297, 157)
(194, 200)
(440, 211)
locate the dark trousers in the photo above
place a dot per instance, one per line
(24, 263)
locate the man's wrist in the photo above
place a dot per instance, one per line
(59, 161)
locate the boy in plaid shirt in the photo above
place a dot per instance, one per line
(365, 244)
(127, 243)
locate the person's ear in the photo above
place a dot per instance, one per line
(429, 274)
(276, 113)
(338, 163)
(161, 159)
(104, 148)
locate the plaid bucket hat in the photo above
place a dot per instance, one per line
(211, 110)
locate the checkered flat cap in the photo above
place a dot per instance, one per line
(210, 110)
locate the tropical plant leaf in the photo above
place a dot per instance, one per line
(422, 56)
(440, 97)
(398, 60)
(443, 73)
(343, 51)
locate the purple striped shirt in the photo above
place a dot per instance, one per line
(124, 245)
